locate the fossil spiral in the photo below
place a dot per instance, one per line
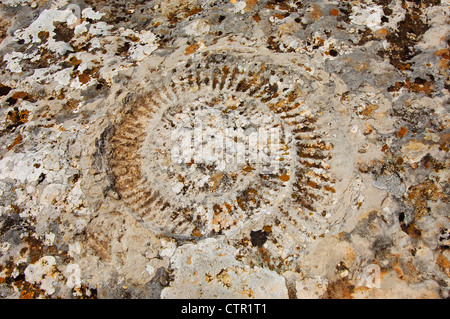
(225, 142)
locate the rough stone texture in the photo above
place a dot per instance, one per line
(93, 204)
(210, 269)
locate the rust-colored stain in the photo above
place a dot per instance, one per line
(256, 17)
(312, 184)
(420, 194)
(403, 40)
(418, 86)
(215, 180)
(217, 208)
(17, 117)
(228, 207)
(250, 4)
(61, 95)
(397, 267)
(444, 53)
(43, 36)
(267, 229)
(339, 289)
(27, 294)
(16, 209)
(413, 231)
(22, 95)
(183, 12)
(266, 257)
(192, 48)
(281, 16)
(191, 12)
(84, 78)
(330, 189)
(17, 141)
(444, 142)
(74, 61)
(360, 67)
(316, 12)
(402, 132)
(442, 261)
(133, 38)
(4, 26)
(196, 232)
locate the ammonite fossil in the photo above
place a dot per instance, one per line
(225, 143)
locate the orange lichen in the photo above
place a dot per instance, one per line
(381, 34)
(43, 36)
(419, 195)
(192, 11)
(334, 12)
(444, 142)
(284, 177)
(330, 189)
(25, 294)
(267, 229)
(21, 95)
(256, 17)
(217, 208)
(265, 256)
(215, 181)
(312, 184)
(196, 232)
(228, 207)
(18, 117)
(240, 203)
(444, 53)
(413, 231)
(84, 78)
(418, 86)
(74, 61)
(248, 169)
(133, 38)
(399, 271)
(368, 129)
(16, 209)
